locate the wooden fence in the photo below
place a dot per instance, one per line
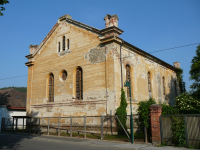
(192, 129)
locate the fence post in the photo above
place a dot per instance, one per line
(4, 124)
(186, 131)
(133, 128)
(16, 124)
(48, 126)
(85, 127)
(145, 134)
(39, 126)
(23, 124)
(111, 122)
(161, 129)
(59, 126)
(71, 126)
(30, 125)
(101, 127)
(13, 125)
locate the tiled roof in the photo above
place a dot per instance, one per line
(12, 98)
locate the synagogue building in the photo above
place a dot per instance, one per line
(78, 70)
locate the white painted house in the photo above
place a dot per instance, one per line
(12, 103)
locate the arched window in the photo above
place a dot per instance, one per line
(63, 43)
(128, 78)
(163, 80)
(58, 46)
(67, 43)
(51, 88)
(149, 84)
(79, 83)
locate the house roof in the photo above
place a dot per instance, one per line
(13, 99)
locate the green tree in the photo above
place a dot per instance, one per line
(122, 114)
(20, 89)
(2, 2)
(195, 74)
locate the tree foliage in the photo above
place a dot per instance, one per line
(20, 89)
(143, 111)
(122, 114)
(195, 74)
(2, 2)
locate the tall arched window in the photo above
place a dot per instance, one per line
(128, 78)
(149, 84)
(163, 80)
(63, 43)
(51, 88)
(79, 83)
(67, 43)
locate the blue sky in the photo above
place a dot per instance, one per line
(148, 24)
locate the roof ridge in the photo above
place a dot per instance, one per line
(83, 23)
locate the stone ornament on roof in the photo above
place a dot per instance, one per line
(111, 20)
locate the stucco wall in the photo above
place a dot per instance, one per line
(101, 76)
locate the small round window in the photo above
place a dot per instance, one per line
(63, 75)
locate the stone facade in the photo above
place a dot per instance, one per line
(97, 52)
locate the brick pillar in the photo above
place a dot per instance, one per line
(155, 112)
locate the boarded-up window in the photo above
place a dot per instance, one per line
(58, 46)
(63, 43)
(79, 83)
(163, 85)
(128, 78)
(149, 84)
(163, 80)
(51, 88)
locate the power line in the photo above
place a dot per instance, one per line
(174, 48)
(108, 60)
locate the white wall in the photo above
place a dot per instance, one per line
(5, 113)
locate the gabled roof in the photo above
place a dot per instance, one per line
(69, 20)
(13, 99)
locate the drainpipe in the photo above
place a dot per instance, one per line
(121, 63)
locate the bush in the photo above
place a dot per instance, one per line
(122, 114)
(187, 104)
(143, 111)
(169, 110)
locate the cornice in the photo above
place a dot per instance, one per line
(30, 63)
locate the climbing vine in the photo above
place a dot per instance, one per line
(178, 131)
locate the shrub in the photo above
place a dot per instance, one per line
(143, 111)
(122, 114)
(169, 110)
(187, 104)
